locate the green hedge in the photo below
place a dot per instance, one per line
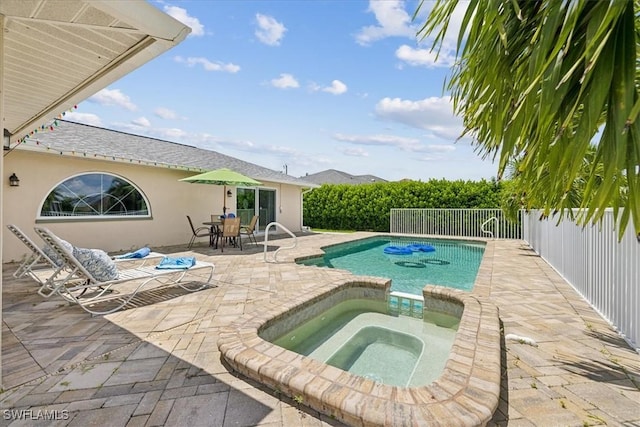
(367, 206)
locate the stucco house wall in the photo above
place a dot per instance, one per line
(169, 202)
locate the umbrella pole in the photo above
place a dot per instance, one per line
(224, 201)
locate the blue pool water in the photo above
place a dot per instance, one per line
(453, 263)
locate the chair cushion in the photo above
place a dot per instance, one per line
(53, 256)
(97, 262)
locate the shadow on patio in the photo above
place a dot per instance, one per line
(153, 364)
(159, 363)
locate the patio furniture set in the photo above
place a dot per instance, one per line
(222, 230)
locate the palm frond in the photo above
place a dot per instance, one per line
(539, 81)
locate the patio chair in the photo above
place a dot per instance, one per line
(230, 232)
(100, 275)
(249, 230)
(203, 231)
(38, 265)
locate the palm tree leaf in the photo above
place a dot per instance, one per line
(537, 81)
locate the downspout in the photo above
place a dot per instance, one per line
(302, 228)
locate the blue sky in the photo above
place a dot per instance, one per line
(301, 85)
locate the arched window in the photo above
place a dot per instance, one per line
(95, 195)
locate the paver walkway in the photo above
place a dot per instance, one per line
(158, 363)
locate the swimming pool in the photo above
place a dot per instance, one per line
(453, 264)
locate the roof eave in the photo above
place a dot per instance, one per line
(160, 33)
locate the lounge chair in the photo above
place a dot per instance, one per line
(105, 276)
(249, 230)
(38, 265)
(43, 262)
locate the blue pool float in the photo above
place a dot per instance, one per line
(398, 250)
(421, 248)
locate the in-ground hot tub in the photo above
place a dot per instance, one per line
(465, 393)
(359, 336)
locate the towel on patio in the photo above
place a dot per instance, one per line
(140, 253)
(180, 263)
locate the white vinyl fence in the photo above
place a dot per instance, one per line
(454, 222)
(605, 271)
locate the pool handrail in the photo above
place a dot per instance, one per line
(493, 218)
(266, 240)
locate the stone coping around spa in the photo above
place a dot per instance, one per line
(466, 394)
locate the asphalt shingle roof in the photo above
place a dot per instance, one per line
(74, 138)
(332, 176)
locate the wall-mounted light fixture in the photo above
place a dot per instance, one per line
(229, 193)
(14, 181)
(6, 140)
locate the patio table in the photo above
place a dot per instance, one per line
(215, 230)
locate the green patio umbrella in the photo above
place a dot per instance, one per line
(223, 177)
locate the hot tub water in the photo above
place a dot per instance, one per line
(359, 336)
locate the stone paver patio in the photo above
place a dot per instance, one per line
(158, 363)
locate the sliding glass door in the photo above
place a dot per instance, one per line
(245, 204)
(256, 201)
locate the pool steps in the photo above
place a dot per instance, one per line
(406, 304)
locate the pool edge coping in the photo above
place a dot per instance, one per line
(466, 394)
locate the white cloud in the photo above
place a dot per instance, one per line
(113, 97)
(403, 143)
(285, 81)
(274, 156)
(141, 121)
(440, 148)
(270, 155)
(279, 149)
(165, 113)
(207, 65)
(354, 152)
(269, 31)
(180, 14)
(139, 128)
(393, 21)
(435, 152)
(173, 134)
(336, 88)
(430, 158)
(198, 139)
(86, 118)
(448, 50)
(433, 114)
(418, 57)
(212, 142)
